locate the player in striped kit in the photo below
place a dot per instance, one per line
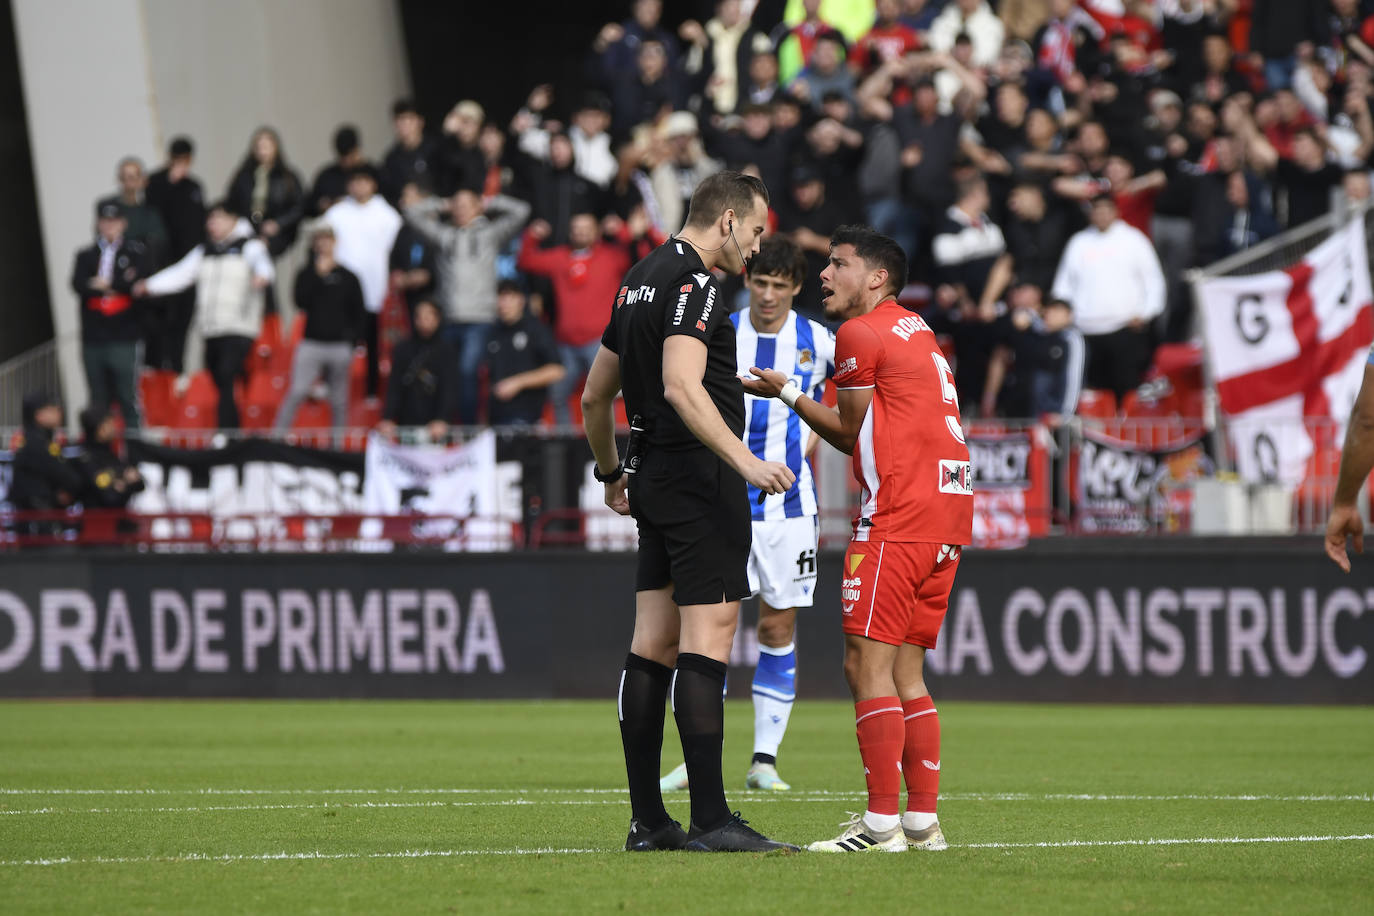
(782, 560)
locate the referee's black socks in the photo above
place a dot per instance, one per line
(643, 690)
(699, 709)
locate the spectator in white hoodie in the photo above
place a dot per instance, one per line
(1111, 278)
(365, 228)
(229, 270)
(975, 19)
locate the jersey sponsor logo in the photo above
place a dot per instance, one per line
(931, 766)
(685, 288)
(854, 560)
(956, 477)
(643, 294)
(908, 325)
(706, 312)
(846, 365)
(620, 297)
(680, 310)
(701, 278)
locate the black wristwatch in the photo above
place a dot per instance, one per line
(611, 477)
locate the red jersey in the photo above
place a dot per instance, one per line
(585, 283)
(910, 458)
(882, 44)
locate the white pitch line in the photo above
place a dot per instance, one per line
(1190, 841)
(520, 851)
(799, 797)
(754, 795)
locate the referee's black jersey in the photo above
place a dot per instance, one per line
(671, 292)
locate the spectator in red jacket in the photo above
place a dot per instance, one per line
(586, 275)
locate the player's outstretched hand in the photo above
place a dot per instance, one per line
(770, 476)
(618, 496)
(1344, 521)
(765, 384)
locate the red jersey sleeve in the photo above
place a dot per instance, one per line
(858, 351)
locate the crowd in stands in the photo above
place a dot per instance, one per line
(1052, 168)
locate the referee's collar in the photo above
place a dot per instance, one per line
(685, 249)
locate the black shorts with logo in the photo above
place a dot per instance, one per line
(694, 530)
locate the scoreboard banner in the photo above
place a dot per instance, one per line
(1229, 620)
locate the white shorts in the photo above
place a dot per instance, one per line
(782, 561)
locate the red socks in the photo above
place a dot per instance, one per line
(921, 754)
(881, 735)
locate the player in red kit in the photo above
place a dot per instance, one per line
(898, 415)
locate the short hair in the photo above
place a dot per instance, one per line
(876, 250)
(779, 257)
(1059, 302)
(128, 160)
(725, 190)
(510, 286)
(224, 205)
(180, 148)
(346, 139)
(967, 185)
(404, 107)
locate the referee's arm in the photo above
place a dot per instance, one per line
(598, 421)
(684, 366)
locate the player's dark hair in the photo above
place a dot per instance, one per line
(725, 190)
(779, 257)
(876, 251)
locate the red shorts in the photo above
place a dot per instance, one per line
(897, 592)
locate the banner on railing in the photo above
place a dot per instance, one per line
(1011, 486)
(1124, 488)
(1289, 344)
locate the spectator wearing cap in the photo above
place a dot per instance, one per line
(229, 271)
(461, 164)
(413, 156)
(423, 388)
(365, 228)
(107, 480)
(686, 166)
(975, 19)
(466, 254)
(521, 360)
(809, 217)
(825, 72)
(1111, 277)
(331, 183)
(103, 277)
(331, 298)
(43, 480)
(585, 274)
(268, 192)
(180, 200)
(144, 222)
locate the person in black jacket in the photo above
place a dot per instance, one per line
(180, 200)
(331, 182)
(43, 480)
(268, 191)
(414, 157)
(423, 390)
(522, 361)
(332, 299)
(108, 481)
(103, 278)
(412, 257)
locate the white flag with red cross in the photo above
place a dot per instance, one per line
(1287, 345)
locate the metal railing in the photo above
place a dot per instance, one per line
(25, 374)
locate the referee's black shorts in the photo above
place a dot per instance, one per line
(694, 528)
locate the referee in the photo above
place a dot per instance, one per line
(671, 347)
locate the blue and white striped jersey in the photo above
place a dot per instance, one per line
(805, 350)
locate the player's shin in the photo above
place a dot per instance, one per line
(921, 762)
(699, 711)
(879, 725)
(643, 691)
(775, 689)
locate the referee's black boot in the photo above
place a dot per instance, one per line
(642, 839)
(735, 835)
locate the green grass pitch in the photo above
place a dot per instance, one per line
(479, 807)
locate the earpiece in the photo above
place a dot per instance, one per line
(731, 226)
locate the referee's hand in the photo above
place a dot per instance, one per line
(771, 477)
(618, 496)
